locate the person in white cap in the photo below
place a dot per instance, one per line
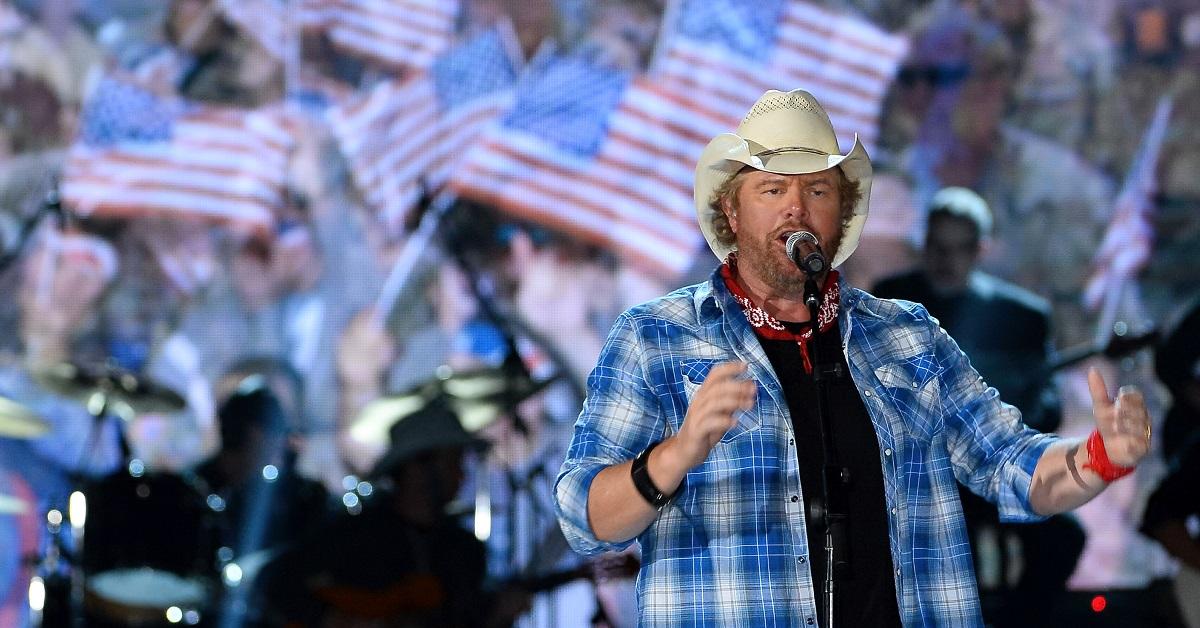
(700, 437)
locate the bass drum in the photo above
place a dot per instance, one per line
(148, 552)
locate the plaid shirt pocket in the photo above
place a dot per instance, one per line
(693, 373)
(913, 384)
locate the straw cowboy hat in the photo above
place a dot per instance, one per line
(784, 133)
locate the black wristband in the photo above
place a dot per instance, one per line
(640, 473)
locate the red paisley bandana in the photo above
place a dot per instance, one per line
(766, 326)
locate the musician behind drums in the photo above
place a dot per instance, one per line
(259, 502)
(403, 560)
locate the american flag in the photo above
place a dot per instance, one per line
(1129, 239)
(140, 154)
(403, 137)
(558, 160)
(719, 56)
(398, 34)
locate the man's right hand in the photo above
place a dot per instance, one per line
(713, 412)
(616, 512)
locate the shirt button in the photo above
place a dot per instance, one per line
(810, 621)
(801, 560)
(791, 441)
(795, 498)
(915, 385)
(893, 511)
(897, 571)
(867, 393)
(887, 452)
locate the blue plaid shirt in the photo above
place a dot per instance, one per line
(731, 549)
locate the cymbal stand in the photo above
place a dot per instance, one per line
(97, 405)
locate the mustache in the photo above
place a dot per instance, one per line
(790, 229)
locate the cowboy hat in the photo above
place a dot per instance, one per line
(433, 426)
(784, 133)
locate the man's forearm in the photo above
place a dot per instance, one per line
(616, 511)
(1060, 481)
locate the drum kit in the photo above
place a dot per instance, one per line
(138, 547)
(133, 548)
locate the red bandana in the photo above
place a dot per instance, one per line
(766, 326)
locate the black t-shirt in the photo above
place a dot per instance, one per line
(867, 594)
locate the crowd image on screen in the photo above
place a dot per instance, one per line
(299, 298)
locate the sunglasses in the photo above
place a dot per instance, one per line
(943, 75)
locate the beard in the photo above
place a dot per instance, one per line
(766, 256)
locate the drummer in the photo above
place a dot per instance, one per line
(260, 436)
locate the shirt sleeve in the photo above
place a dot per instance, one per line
(621, 416)
(992, 451)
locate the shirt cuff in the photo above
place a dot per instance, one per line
(571, 498)
(1013, 502)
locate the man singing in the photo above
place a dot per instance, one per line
(701, 436)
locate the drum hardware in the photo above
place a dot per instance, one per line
(478, 397)
(18, 421)
(108, 387)
(52, 585)
(133, 548)
(148, 554)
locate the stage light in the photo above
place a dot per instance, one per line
(77, 510)
(37, 594)
(232, 574)
(1099, 603)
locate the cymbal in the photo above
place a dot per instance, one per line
(376, 418)
(478, 396)
(18, 421)
(489, 385)
(126, 393)
(10, 505)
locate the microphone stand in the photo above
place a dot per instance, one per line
(832, 474)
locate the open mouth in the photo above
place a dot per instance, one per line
(783, 237)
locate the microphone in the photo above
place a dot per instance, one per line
(804, 251)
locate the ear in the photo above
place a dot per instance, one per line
(727, 207)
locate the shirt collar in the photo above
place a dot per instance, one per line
(712, 300)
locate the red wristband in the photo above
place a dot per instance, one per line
(1098, 460)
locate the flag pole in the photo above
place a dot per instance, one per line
(291, 50)
(1135, 196)
(666, 32)
(414, 250)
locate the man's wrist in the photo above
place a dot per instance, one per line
(652, 488)
(1099, 463)
(666, 457)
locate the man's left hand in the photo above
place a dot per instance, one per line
(1123, 422)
